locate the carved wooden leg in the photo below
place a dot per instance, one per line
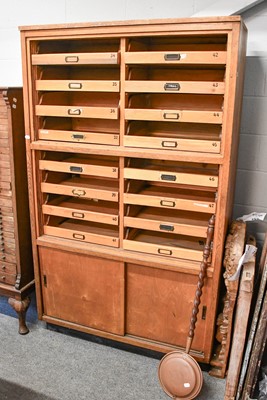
(21, 307)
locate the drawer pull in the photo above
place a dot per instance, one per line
(74, 85)
(167, 203)
(165, 252)
(3, 267)
(78, 192)
(77, 215)
(171, 115)
(78, 236)
(168, 228)
(76, 169)
(165, 177)
(77, 136)
(172, 86)
(72, 59)
(167, 143)
(3, 278)
(172, 57)
(74, 111)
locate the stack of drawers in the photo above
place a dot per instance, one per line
(16, 270)
(133, 132)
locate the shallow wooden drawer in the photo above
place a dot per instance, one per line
(82, 189)
(171, 177)
(81, 137)
(195, 116)
(165, 245)
(8, 268)
(174, 87)
(7, 257)
(81, 112)
(5, 202)
(207, 146)
(92, 233)
(79, 168)
(7, 223)
(81, 85)
(162, 221)
(166, 57)
(9, 279)
(75, 58)
(4, 143)
(84, 210)
(174, 203)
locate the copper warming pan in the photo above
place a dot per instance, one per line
(179, 374)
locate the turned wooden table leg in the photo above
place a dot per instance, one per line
(21, 307)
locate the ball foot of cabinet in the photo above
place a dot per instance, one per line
(21, 307)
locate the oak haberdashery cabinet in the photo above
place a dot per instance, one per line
(16, 264)
(131, 136)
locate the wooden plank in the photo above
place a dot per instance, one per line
(171, 177)
(174, 87)
(74, 58)
(207, 146)
(80, 137)
(78, 85)
(81, 236)
(251, 360)
(141, 114)
(167, 251)
(77, 112)
(79, 168)
(234, 248)
(174, 58)
(240, 326)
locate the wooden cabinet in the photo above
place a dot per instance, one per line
(16, 266)
(132, 136)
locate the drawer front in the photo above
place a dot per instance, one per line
(207, 146)
(82, 236)
(167, 251)
(80, 214)
(190, 57)
(75, 58)
(81, 112)
(81, 85)
(8, 268)
(7, 257)
(81, 169)
(174, 87)
(207, 117)
(78, 191)
(81, 137)
(4, 144)
(171, 203)
(165, 226)
(9, 279)
(171, 177)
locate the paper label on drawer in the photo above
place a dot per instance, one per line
(27, 137)
(250, 251)
(201, 205)
(254, 216)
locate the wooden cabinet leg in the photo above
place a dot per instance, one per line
(21, 307)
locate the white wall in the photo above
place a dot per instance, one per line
(15, 13)
(251, 187)
(251, 184)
